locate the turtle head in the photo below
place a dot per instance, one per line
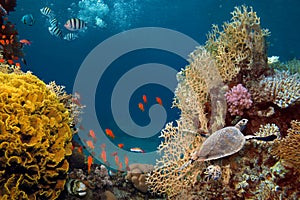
(241, 124)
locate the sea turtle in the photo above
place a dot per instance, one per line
(224, 142)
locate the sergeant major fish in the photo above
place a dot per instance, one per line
(55, 31)
(75, 24)
(53, 22)
(47, 12)
(70, 36)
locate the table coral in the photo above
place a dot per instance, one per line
(34, 141)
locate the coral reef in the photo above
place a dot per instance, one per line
(137, 175)
(35, 139)
(238, 99)
(237, 56)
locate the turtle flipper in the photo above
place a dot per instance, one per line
(267, 138)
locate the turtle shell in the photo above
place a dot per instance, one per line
(221, 143)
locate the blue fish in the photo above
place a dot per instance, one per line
(28, 19)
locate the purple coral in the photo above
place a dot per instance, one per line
(238, 99)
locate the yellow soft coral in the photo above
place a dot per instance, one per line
(35, 139)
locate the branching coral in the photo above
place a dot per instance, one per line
(288, 148)
(75, 108)
(34, 141)
(241, 44)
(167, 178)
(238, 99)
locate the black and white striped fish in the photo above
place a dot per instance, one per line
(47, 12)
(75, 24)
(53, 22)
(70, 36)
(55, 31)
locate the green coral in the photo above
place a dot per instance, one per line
(35, 138)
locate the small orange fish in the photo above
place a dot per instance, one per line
(117, 159)
(141, 107)
(114, 153)
(120, 166)
(92, 134)
(159, 101)
(3, 26)
(109, 133)
(121, 145)
(90, 144)
(25, 41)
(145, 99)
(81, 127)
(103, 153)
(2, 60)
(2, 42)
(18, 65)
(89, 163)
(10, 62)
(127, 163)
(80, 149)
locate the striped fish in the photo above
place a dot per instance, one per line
(55, 31)
(75, 24)
(53, 22)
(47, 12)
(70, 36)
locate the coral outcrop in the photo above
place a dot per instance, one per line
(234, 56)
(34, 141)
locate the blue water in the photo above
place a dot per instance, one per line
(51, 58)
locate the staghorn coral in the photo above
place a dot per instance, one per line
(282, 89)
(287, 149)
(34, 141)
(238, 99)
(241, 44)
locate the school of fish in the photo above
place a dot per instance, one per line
(72, 24)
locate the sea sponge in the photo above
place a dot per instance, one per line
(241, 44)
(34, 141)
